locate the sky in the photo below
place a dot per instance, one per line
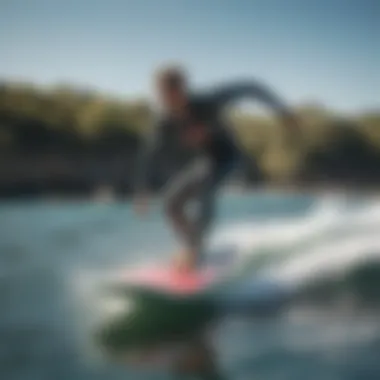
(324, 51)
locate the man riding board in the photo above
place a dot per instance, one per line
(195, 121)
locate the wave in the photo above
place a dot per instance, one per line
(359, 286)
(332, 252)
(328, 256)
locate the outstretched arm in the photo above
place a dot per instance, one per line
(255, 90)
(249, 89)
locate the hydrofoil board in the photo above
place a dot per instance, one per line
(171, 280)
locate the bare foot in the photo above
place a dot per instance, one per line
(185, 261)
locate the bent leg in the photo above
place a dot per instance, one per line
(207, 202)
(188, 186)
(199, 183)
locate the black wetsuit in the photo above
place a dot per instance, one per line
(214, 158)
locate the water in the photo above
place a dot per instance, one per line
(307, 243)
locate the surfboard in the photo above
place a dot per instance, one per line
(171, 280)
(158, 304)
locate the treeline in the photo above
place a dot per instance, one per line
(64, 140)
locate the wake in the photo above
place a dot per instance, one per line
(334, 239)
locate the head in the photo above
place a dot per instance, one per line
(171, 86)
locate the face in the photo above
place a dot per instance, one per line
(172, 98)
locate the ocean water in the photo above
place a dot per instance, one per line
(325, 248)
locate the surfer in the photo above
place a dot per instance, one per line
(194, 122)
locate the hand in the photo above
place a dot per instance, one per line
(141, 204)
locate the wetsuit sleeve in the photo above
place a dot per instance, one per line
(255, 90)
(149, 152)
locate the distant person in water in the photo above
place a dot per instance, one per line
(194, 121)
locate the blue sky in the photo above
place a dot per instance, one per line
(309, 50)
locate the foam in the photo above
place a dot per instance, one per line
(331, 239)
